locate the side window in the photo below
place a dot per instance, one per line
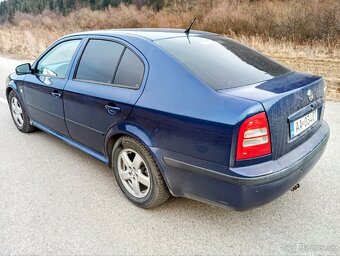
(99, 61)
(57, 60)
(130, 71)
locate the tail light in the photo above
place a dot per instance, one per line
(253, 138)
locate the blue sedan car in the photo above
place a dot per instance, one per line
(192, 115)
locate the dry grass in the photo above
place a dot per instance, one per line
(304, 35)
(315, 58)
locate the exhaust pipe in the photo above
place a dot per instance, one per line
(295, 187)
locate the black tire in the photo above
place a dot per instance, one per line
(158, 192)
(25, 127)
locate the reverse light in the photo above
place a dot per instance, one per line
(254, 138)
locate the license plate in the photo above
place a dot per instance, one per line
(302, 124)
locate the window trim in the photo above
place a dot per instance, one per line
(49, 49)
(116, 69)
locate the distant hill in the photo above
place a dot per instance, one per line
(9, 7)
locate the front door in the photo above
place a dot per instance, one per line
(44, 88)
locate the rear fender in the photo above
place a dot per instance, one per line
(130, 130)
(137, 133)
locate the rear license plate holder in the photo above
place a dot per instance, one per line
(302, 124)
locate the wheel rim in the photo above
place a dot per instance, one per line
(133, 173)
(17, 112)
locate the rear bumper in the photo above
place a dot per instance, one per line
(240, 191)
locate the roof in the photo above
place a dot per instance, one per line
(147, 33)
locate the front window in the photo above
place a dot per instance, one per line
(56, 61)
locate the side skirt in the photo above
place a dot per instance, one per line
(73, 143)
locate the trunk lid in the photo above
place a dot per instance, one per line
(285, 99)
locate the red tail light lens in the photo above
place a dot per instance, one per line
(254, 138)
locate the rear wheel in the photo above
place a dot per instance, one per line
(137, 174)
(19, 115)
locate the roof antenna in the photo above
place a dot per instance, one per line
(187, 31)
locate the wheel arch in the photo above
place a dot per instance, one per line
(8, 91)
(138, 134)
(124, 129)
(11, 87)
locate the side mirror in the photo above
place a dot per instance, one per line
(23, 69)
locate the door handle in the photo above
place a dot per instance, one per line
(56, 94)
(112, 110)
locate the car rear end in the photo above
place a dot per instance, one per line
(271, 150)
(294, 105)
(296, 136)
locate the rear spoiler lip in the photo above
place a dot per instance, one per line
(262, 91)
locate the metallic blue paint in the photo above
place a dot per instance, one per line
(42, 106)
(190, 129)
(71, 142)
(207, 183)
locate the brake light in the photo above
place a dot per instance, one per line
(253, 138)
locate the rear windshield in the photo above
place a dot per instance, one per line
(221, 62)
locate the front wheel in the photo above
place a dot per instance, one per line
(19, 115)
(137, 174)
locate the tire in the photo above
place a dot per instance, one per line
(135, 174)
(19, 114)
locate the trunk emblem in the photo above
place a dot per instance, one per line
(310, 95)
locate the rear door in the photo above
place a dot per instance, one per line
(105, 86)
(44, 88)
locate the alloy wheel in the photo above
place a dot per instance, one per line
(17, 112)
(134, 173)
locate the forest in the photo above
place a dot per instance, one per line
(9, 7)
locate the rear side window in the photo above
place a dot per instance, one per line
(130, 71)
(110, 63)
(99, 61)
(222, 63)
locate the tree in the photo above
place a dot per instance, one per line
(9, 7)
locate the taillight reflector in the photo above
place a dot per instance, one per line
(253, 138)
